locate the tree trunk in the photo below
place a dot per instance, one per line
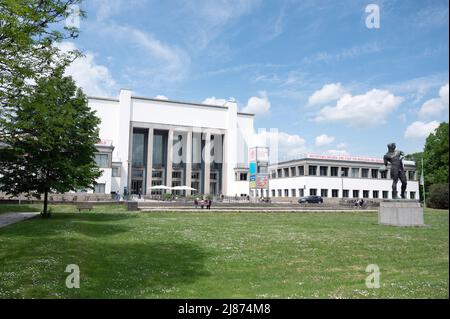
(45, 212)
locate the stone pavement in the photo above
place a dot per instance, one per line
(12, 218)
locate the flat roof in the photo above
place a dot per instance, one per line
(339, 158)
(170, 101)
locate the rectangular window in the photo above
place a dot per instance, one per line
(137, 173)
(176, 174)
(334, 193)
(411, 175)
(324, 192)
(334, 171)
(293, 194)
(312, 191)
(286, 172)
(279, 193)
(355, 172)
(213, 176)
(293, 171)
(195, 175)
(383, 174)
(375, 194)
(99, 188)
(279, 174)
(323, 170)
(412, 195)
(365, 173)
(385, 194)
(355, 193)
(301, 192)
(102, 160)
(274, 174)
(366, 194)
(157, 174)
(273, 193)
(243, 176)
(344, 171)
(286, 193)
(345, 193)
(115, 171)
(312, 170)
(138, 150)
(374, 173)
(301, 170)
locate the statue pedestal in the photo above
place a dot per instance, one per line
(400, 212)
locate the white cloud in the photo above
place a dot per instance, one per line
(365, 110)
(329, 92)
(420, 130)
(282, 145)
(161, 97)
(258, 105)
(151, 61)
(93, 78)
(324, 139)
(214, 101)
(437, 106)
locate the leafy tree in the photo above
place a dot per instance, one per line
(50, 141)
(435, 156)
(438, 196)
(29, 30)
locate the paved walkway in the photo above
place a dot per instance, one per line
(249, 209)
(12, 218)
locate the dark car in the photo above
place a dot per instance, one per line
(313, 199)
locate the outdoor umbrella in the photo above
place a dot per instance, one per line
(160, 187)
(183, 188)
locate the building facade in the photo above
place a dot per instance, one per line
(147, 142)
(337, 177)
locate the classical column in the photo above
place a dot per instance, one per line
(207, 163)
(169, 158)
(224, 164)
(148, 182)
(188, 161)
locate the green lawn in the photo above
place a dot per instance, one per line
(222, 255)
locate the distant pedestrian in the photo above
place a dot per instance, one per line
(208, 205)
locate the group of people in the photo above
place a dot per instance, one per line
(202, 203)
(359, 202)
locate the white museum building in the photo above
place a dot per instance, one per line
(342, 176)
(145, 142)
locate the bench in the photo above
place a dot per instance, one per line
(81, 206)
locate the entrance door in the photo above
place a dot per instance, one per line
(136, 187)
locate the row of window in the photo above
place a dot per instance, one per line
(334, 171)
(334, 193)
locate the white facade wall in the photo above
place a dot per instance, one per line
(117, 118)
(330, 183)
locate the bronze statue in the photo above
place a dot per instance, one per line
(397, 169)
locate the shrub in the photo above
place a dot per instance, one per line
(438, 197)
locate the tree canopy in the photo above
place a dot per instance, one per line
(50, 139)
(29, 30)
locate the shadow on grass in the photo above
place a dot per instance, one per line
(141, 269)
(88, 224)
(12, 208)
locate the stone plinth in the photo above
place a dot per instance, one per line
(400, 212)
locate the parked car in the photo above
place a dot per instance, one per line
(313, 199)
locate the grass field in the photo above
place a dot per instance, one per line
(222, 255)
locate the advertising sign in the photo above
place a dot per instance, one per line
(262, 181)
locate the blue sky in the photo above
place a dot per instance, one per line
(311, 69)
